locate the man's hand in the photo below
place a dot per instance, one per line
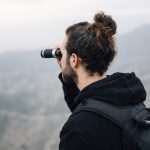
(58, 58)
(59, 61)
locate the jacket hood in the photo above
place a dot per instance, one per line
(119, 89)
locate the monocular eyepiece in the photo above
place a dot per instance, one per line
(51, 53)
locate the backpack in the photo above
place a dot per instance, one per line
(134, 120)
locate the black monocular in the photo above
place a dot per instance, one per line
(51, 53)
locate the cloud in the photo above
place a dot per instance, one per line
(30, 24)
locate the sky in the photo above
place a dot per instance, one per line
(41, 24)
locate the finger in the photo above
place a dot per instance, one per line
(59, 61)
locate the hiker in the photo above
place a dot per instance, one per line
(87, 52)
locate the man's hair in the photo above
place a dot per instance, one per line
(93, 42)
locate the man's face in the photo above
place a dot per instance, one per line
(69, 75)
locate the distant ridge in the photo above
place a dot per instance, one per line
(136, 42)
(134, 55)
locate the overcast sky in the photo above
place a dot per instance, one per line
(40, 24)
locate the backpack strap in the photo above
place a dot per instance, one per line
(117, 114)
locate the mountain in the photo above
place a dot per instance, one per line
(32, 109)
(133, 55)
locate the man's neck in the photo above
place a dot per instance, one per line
(84, 80)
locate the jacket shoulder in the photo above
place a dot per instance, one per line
(93, 128)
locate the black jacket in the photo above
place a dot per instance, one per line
(89, 131)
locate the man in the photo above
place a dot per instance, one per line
(87, 52)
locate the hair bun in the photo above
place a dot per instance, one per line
(102, 20)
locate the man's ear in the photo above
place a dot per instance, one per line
(74, 60)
